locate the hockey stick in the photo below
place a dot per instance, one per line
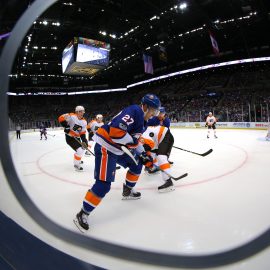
(51, 135)
(174, 178)
(202, 155)
(126, 151)
(81, 144)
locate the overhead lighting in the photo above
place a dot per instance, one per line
(103, 33)
(45, 22)
(183, 6)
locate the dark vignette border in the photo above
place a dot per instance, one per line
(131, 254)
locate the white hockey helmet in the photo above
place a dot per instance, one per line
(79, 109)
(99, 117)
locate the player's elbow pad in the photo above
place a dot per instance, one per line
(64, 124)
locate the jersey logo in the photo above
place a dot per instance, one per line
(122, 126)
(77, 127)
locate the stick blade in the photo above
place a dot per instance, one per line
(125, 150)
(207, 153)
(180, 177)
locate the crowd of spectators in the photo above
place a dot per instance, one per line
(238, 96)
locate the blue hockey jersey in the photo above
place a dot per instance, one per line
(124, 127)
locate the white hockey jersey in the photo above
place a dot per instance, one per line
(153, 136)
(94, 126)
(77, 126)
(211, 120)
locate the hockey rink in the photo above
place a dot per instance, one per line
(222, 203)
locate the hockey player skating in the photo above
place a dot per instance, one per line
(124, 129)
(160, 120)
(92, 128)
(75, 128)
(43, 131)
(211, 124)
(159, 141)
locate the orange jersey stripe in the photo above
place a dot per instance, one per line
(131, 177)
(102, 132)
(103, 165)
(92, 198)
(77, 157)
(165, 166)
(160, 133)
(61, 118)
(116, 132)
(73, 133)
(148, 142)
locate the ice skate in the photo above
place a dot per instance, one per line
(207, 137)
(81, 221)
(130, 194)
(78, 168)
(215, 136)
(167, 187)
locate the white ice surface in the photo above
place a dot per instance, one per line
(224, 202)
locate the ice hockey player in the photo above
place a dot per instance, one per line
(43, 131)
(160, 120)
(211, 124)
(75, 132)
(124, 129)
(92, 128)
(159, 141)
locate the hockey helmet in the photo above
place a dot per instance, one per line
(151, 100)
(162, 110)
(79, 109)
(99, 116)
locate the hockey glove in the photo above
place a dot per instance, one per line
(84, 145)
(67, 130)
(146, 159)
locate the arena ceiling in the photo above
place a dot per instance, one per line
(134, 27)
